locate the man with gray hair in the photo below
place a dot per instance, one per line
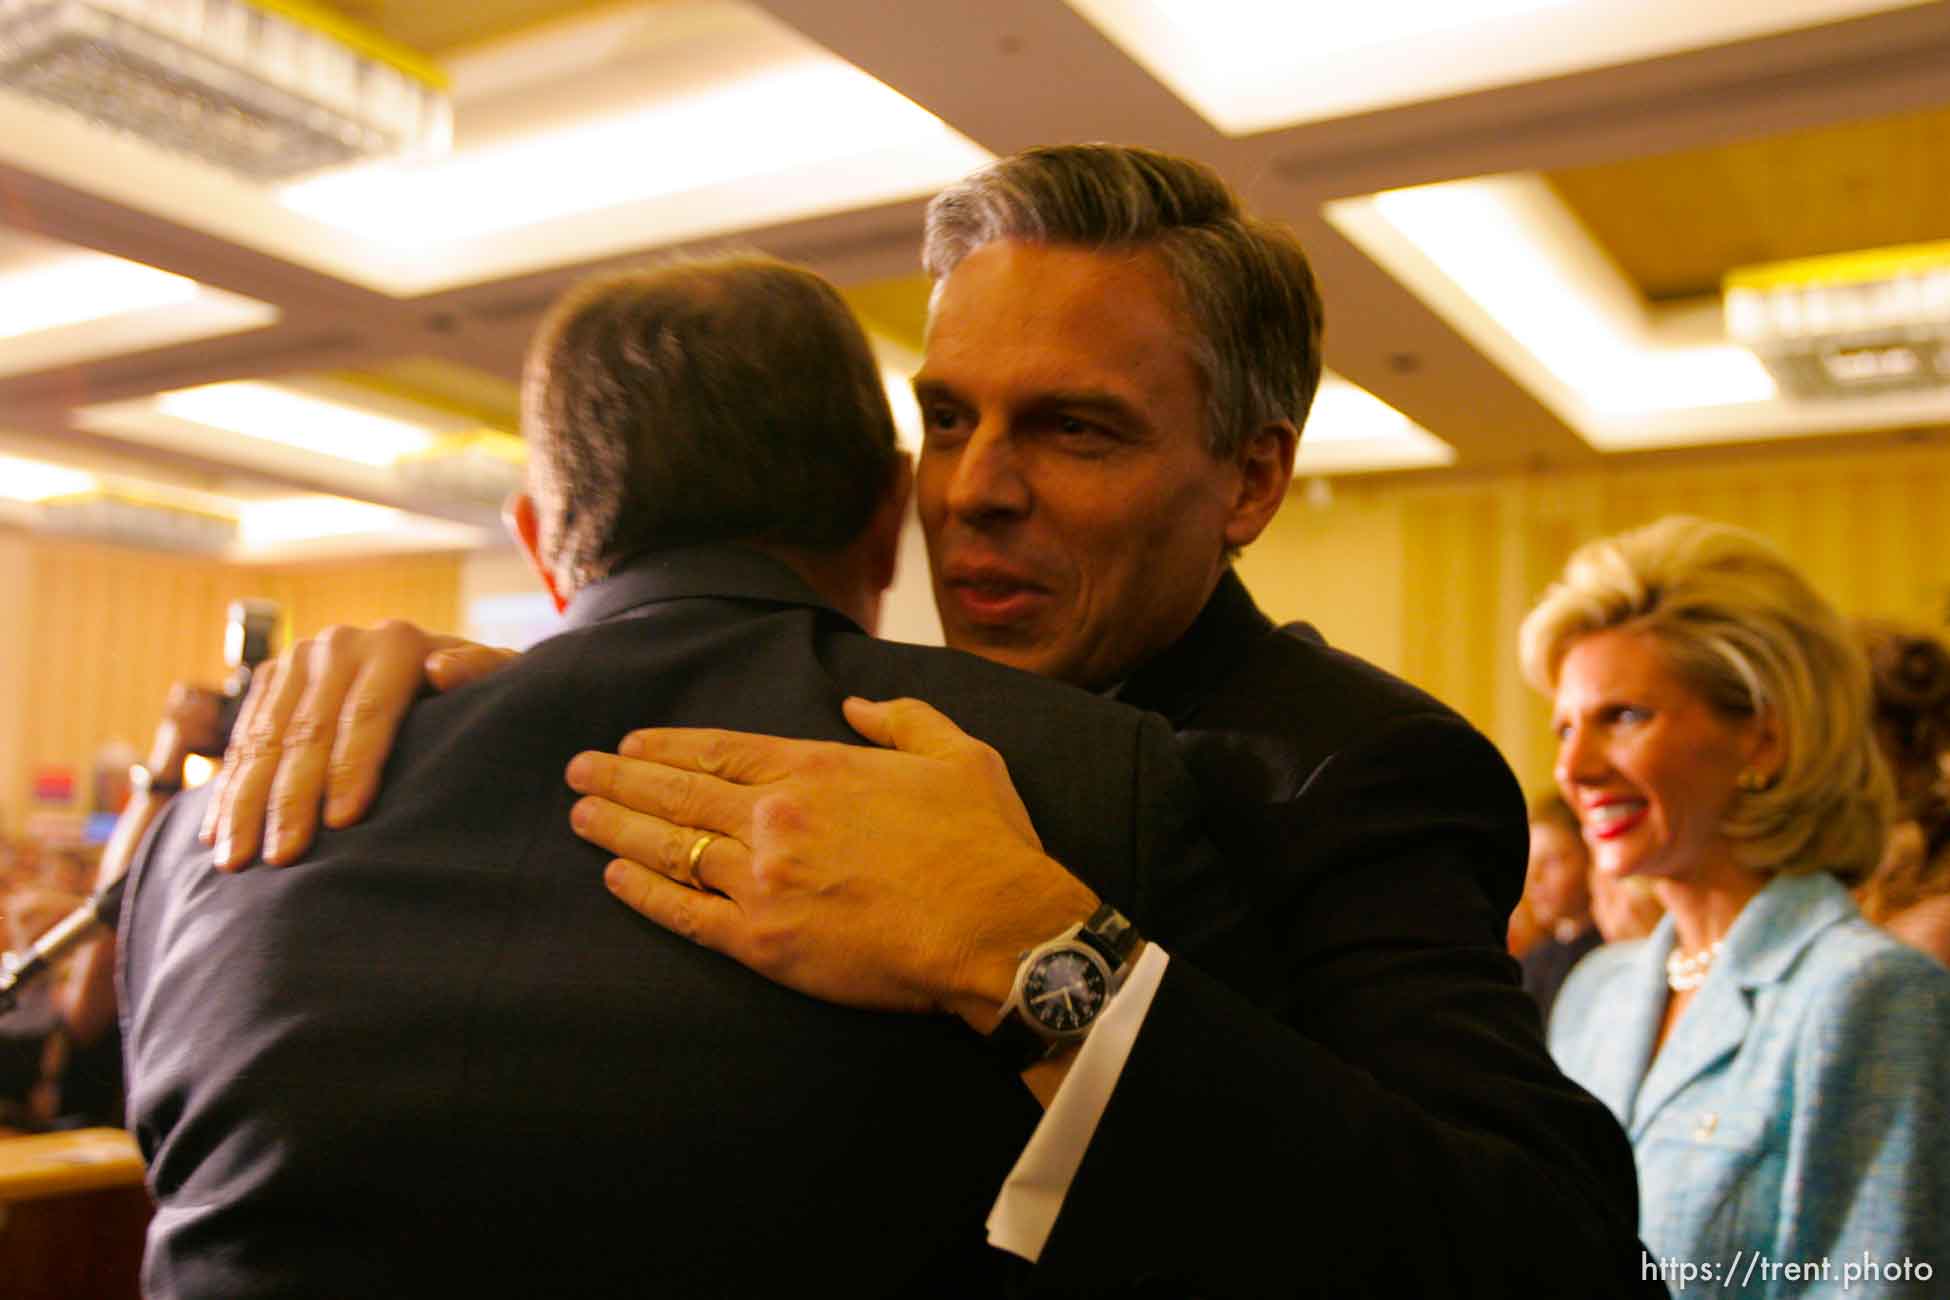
(1119, 361)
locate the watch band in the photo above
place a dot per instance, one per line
(1016, 1041)
(1014, 1045)
(144, 779)
(1110, 934)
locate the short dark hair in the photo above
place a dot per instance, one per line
(731, 398)
(1245, 285)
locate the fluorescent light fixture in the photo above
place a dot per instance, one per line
(1280, 32)
(1560, 299)
(1350, 430)
(34, 480)
(82, 288)
(1343, 412)
(267, 90)
(810, 112)
(63, 306)
(1512, 270)
(292, 419)
(1251, 65)
(284, 520)
(299, 527)
(1511, 250)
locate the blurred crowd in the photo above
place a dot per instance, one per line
(50, 1075)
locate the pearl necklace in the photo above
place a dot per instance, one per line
(1685, 973)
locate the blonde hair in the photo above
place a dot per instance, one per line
(1747, 632)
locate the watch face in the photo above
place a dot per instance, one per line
(1064, 991)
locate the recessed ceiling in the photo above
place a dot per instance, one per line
(1664, 160)
(1246, 66)
(1831, 189)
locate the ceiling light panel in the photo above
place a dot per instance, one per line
(84, 288)
(1350, 430)
(36, 480)
(308, 518)
(300, 527)
(1512, 270)
(331, 436)
(815, 114)
(1249, 65)
(1509, 245)
(61, 305)
(636, 128)
(269, 413)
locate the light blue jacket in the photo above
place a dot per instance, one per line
(1796, 1114)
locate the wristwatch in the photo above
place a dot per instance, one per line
(146, 780)
(1062, 986)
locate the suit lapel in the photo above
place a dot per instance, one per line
(1766, 940)
(1711, 1030)
(1624, 1046)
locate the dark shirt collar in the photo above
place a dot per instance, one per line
(1177, 680)
(674, 573)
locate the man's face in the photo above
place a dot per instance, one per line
(1075, 521)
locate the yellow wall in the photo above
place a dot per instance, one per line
(94, 636)
(1432, 581)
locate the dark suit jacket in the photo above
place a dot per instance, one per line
(1373, 1112)
(436, 1058)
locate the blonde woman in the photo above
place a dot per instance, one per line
(1776, 1060)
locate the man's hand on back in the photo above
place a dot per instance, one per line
(903, 878)
(316, 729)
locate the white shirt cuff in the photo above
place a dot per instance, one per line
(1026, 1210)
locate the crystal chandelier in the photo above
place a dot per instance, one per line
(271, 89)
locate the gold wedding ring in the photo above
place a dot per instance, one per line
(698, 846)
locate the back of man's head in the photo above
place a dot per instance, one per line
(1248, 293)
(712, 400)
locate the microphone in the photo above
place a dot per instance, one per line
(18, 970)
(249, 632)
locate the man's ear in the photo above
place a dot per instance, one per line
(1265, 473)
(519, 518)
